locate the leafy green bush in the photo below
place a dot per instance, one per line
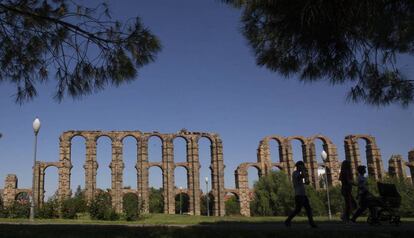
(232, 206)
(69, 208)
(80, 201)
(49, 209)
(156, 201)
(203, 204)
(3, 212)
(185, 203)
(273, 195)
(100, 207)
(132, 207)
(19, 209)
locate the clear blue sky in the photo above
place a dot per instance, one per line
(205, 79)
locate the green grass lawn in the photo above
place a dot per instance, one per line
(158, 219)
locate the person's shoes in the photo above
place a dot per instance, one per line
(288, 223)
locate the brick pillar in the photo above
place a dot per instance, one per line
(10, 190)
(374, 155)
(193, 177)
(242, 185)
(117, 167)
(286, 159)
(332, 164)
(168, 176)
(36, 192)
(374, 161)
(352, 154)
(220, 179)
(309, 157)
(396, 167)
(411, 164)
(42, 173)
(142, 168)
(91, 167)
(64, 169)
(264, 157)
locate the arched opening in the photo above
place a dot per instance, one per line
(181, 185)
(274, 151)
(253, 176)
(156, 197)
(104, 158)
(180, 150)
(321, 170)
(130, 158)
(232, 204)
(297, 150)
(51, 183)
(206, 202)
(154, 149)
(182, 202)
(362, 149)
(276, 168)
(78, 158)
(22, 198)
(131, 206)
(205, 156)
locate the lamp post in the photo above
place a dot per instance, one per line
(207, 197)
(36, 127)
(324, 157)
(181, 199)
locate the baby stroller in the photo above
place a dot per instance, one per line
(386, 206)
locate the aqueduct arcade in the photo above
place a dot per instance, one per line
(167, 165)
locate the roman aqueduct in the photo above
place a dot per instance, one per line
(264, 164)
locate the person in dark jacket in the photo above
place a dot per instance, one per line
(346, 189)
(299, 179)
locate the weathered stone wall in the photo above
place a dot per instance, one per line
(264, 164)
(373, 155)
(286, 163)
(167, 166)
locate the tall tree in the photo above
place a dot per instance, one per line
(339, 41)
(81, 47)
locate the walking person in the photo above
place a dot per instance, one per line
(299, 179)
(363, 195)
(346, 189)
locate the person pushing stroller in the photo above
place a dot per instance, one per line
(364, 196)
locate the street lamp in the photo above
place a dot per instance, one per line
(181, 199)
(36, 128)
(207, 198)
(324, 157)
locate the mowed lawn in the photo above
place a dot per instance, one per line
(181, 226)
(161, 219)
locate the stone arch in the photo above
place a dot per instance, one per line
(232, 193)
(125, 158)
(331, 164)
(22, 197)
(397, 167)
(143, 165)
(42, 180)
(373, 155)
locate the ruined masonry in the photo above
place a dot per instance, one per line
(264, 164)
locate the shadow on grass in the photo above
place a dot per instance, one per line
(215, 230)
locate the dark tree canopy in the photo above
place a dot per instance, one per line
(82, 48)
(340, 41)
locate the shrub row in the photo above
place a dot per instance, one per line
(273, 196)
